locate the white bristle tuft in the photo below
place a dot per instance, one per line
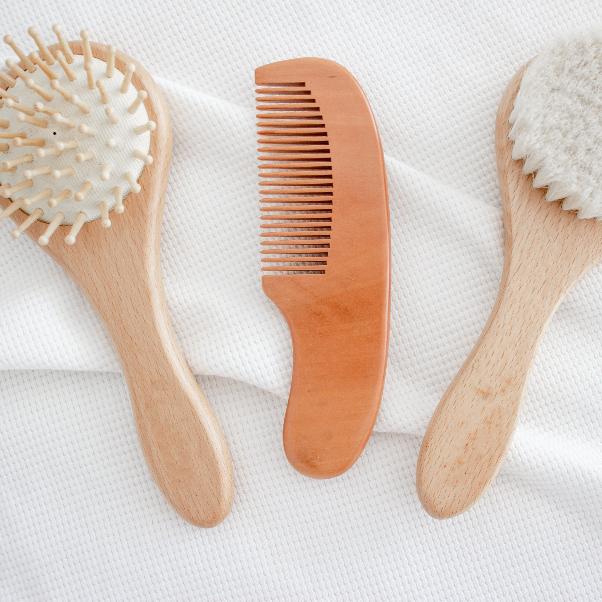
(78, 224)
(556, 125)
(56, 221)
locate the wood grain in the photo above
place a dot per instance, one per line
(119, 270)
(546, 250)
(338, 311)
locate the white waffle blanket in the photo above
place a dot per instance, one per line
(80, 518)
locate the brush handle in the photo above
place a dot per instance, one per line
(470, 431)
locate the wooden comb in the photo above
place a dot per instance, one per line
(325, 254)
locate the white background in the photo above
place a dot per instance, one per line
(80, 518)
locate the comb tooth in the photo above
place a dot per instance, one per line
(298, 200)
(323, 210)
(35, 215)
(56, 221)
(80, 219)
(307, 244)
(44, 52)
(300, 269)
(292, 224)
(308, 165)
(63, 44)
(22, 56)
(300, 234)
(110, 62)
(275, 89)
(303, 259)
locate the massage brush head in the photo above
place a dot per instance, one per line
(74, 134)
(557, 123)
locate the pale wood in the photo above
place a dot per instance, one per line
(118, 268)
(546, 250)
(339, 319)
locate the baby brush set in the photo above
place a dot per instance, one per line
(85, 150)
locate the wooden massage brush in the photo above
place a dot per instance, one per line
(325, 254)
(85, 147)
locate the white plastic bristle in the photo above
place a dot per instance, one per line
(35, 121)
(80, 220)
(140, 98)
(15, 69)
(56, 221)
(110, 112)
(127, 78)
(12, 208)
(90, 77)
(58, 118)
(17, 106)
(45, 94)
(44, 52)
(82, 157)
(105, 172)
(132, 182)
(149, 126)
(63, 44)
(22, 56)
(110, 61)
(111, 143)
(80, 104)
(146, 159)
(6, 79)
(57, 174)
(66, 94)
(87, 130)
(40, 196)
(118, 196)
(29, 142)
(48, 72)
(104, 214)
(80, 195)
(17, 161)
(71, 76)
(104, 99)
(38, 171)
(35, 215)
(62, 196)
(86, 45)
(40, 107)
(4, 123)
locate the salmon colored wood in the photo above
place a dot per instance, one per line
(546, 250)
(325, 254)
(118, 268)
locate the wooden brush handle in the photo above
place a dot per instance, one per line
(472, 426)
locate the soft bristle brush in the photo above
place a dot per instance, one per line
(325, 254)
(549, 154)
(85, 146)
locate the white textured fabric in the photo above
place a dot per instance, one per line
(80, 518)
(557, 122)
